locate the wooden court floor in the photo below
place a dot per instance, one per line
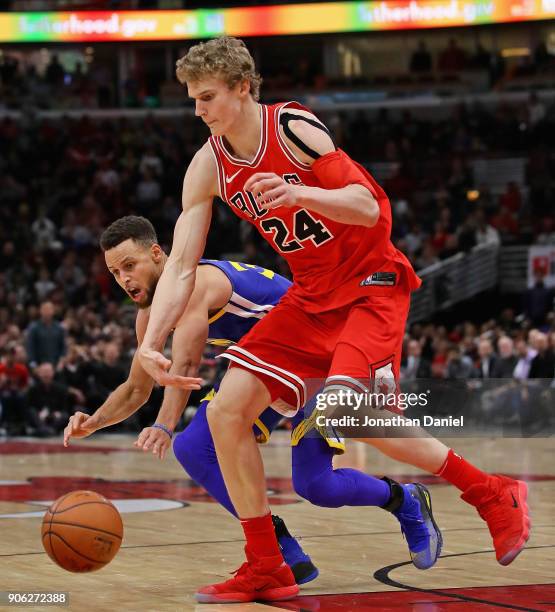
(176, 538)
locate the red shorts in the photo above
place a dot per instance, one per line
(294, 352)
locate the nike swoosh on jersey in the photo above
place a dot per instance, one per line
(228, 179)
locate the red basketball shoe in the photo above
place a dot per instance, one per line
(264, 579)
(501, 502)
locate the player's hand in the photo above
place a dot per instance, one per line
(272, 191)
(155, 439)
(157, 366)
(80, 425)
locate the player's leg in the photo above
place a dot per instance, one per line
(239, 401)
(500, 501)
(271, 370)
(366, 361)
(315, 479)
(300, 563)
(194, 449)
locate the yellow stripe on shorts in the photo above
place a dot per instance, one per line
(262, 437)
(329, 435)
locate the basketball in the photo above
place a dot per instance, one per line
(82, 531)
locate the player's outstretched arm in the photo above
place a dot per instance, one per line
(347, 195)
(189, 339)
(120, 404)
(177, 281)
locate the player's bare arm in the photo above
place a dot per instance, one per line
(352, 204)
(124, 401)
(212, 292)
(177, 281)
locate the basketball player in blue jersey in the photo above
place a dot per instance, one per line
(229, 298)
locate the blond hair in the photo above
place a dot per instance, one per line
(227, 58)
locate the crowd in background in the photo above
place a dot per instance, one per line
(52, 81)
(71, 358)
(66, 330)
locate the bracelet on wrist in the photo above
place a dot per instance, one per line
(164, 428)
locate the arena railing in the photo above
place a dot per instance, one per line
(427, 105)
(454, 280)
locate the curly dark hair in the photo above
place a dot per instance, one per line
(138, 229)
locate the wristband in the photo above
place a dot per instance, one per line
(163, 428)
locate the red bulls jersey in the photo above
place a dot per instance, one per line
(332, 263)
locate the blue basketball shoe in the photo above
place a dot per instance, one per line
(300, 563)
(412, 505)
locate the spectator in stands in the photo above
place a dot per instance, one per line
(8, 256)
(511, 198)
(44, 233)
(538, 300)
(427, 258)
(466, 233)
(415, 366)
(536, 110)
(452, 58)
(72, 372)
(55, 72)
(44, 285)
(459, 367)
(105, 374)
(450, 248)
(47, 403)
(9, 67)
(421, 59)
(547, 231)
(505, 365)
(543, 364)
(497, 68)
(45, 338)
(73, 233)
(485, 233)
(506, 224)
(71, 278)
(151, 161)
(414, 239)
(149, 190)
(487, 360)
(481, 58)
(14, 380)
(525, 354)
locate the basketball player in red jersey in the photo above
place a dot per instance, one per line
(341, 321)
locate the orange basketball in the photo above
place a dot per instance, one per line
(82, 531)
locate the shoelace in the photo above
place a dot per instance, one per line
(241, 576)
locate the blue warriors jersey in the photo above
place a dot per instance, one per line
(255, 292)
